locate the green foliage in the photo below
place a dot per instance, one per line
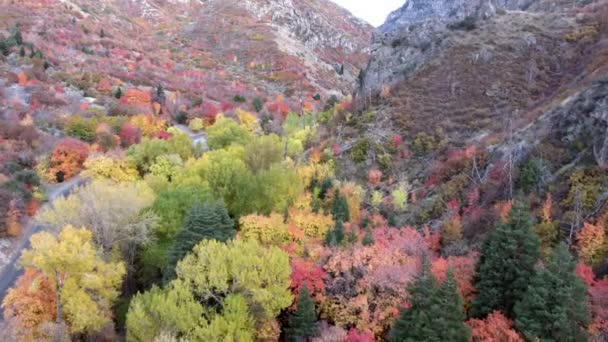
(173, 309)
(360, 150)
(204, 221)
(262, 152)
(302, 321)
(554, 306)
(385, 161)
(239, 98)
(506, 264)
(376, 199)
(259, 273)
(80, 128)
(196, 124)
(585, 188)
(548, 232)
(368, 239)
(529, 175)
(118, 93)
(424, 143)
(226, 132)
(339, 208)
(331, 102)
(335, 237)
(435, 312)
(172, 205)
(258, 104)
(22, 52)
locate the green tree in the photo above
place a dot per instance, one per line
(435, 312)
(302, 321)
(225, 132)
(339, 208)
(506, 264)
(118, 93)
(334, 237)
(368, 239)
(173, 309)
(205, 221)
(258, 104)
(22, 52)
(260, 275)
(554, 307)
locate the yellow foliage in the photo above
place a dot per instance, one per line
(354, 195)
(149, 125)
(106, 167)
(268, 230)
(314, 225)
(247, 119)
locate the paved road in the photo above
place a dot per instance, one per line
(197, 138)
(12, 271)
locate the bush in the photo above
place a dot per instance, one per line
(469, 23)
(196, 124)
(360, 150)
(239, 99)
(80, 128)
(258, 104)
(424, 144)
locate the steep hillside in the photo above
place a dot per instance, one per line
(459, 96)
(216, 47)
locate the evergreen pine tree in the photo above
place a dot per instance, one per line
(416, 323)
(204, 221)
(18, 37)
(160, 95)
(368, 240)
(303, 319)
(339, 208)
(118, 93)
(450, 317)
(554, 307)
(506, 264)
(334, 237)
(325, 186)
(102, 33)
(22, 52)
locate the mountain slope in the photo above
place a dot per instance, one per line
(216, 47)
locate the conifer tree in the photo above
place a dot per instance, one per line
(204, 222)
(554, 307)
(22, 52)
(368, 240)
(506, 264)
(303, 319)
(449, 322)
(118, 93)
(335, 236)
(339, 208)
(435, 313)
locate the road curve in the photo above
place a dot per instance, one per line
(12, 270)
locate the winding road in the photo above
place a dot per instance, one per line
(12, 270)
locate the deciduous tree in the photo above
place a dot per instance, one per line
(85, 285)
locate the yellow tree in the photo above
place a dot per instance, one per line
(85, 285)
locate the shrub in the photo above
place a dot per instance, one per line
(424, 143)
(239, 99)
(258, 104)
(360, 150)
(469, 23)
(196, 124)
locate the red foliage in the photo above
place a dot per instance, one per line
(136, 97)
(597, 294)
(209, 112)
(226, 106)
(306, 272)
(495, 327)
(336, 149)
(397, 141)
(68, 157)
(462, 267)
(163, 135)
(355, 336)
(129, 135)
(374, 177)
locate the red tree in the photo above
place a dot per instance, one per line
(306, 272)
(67, 158)
(129, 135)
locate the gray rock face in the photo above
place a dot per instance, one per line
(417, 32)
(416, 11)
(585, 118)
